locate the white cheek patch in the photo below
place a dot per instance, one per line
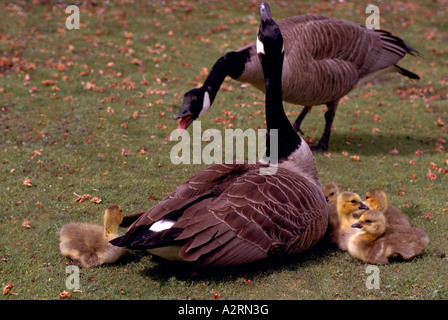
(260, 46)
(205, 104)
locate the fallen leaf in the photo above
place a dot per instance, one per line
(125, 152)
(26, 224)
(47, 82)
(7, 289)
(430, 175)
(96, 199)
(394, 152)
(65, 294)
(27, 182)
(82, 198)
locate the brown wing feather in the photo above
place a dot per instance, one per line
(276, 211)
(326, 57)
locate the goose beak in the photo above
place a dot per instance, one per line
(265, 11)
(362, 206)
(357, 225)
(184, 123)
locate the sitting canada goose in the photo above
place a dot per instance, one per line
(377, 200)
(331, 191)
(232, 214)
(88, 244)
(341, 218)
(380, 243)
(325, 58)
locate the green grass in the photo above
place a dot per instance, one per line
(79, 143)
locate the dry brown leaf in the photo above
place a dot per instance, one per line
(65, 294)
(27, 182)
(96, 199)
(7, 289)
(47, 82)
(26, 224)
(82, 198)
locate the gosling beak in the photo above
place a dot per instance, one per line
(362, 206)
(357, 225)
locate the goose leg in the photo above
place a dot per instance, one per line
(298, 122)
(325, 139)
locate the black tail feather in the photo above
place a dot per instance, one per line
(407, 73)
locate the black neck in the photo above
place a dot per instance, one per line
(231, 64)
(288, 139)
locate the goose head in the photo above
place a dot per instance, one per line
(349, 202)
(113, 216)
(196, 102)
(377, 200)
(372, 222)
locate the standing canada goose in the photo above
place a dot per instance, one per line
(325, 58)
(231, 214)
(377, 200)
(88, 244)
(331, 191)
(380, 243)
(341, 218)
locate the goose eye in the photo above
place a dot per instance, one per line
(368, 221)
(331, 193)
(367, 197)
(353, 201)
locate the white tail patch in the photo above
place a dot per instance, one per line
(260, 46)
(205, 104)
(162, 225)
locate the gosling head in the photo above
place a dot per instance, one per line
(330, 191)
(372, 222)
(113, 216)
(349, 202)
(377, 200)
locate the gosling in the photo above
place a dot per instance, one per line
(341, 218)
(330, 191)
(88, 244)
(378, 200)
(379, 243)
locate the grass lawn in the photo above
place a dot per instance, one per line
(88, 111)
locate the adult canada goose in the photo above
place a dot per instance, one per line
(88, 244)
(380, 243)
(231, 214)
(325, 58)
(341, 217)
(377, 200)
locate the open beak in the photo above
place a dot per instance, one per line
(184, 123)
(357, 225)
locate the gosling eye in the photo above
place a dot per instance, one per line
(353, 201)
(368, 221)
(331, 193)
(367, 197)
